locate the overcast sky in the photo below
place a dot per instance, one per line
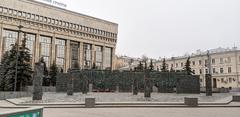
(165, 28)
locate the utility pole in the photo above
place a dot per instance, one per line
(16, 70)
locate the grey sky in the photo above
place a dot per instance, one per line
(167, 27)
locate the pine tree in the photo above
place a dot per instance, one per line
(146, 66)
(164, 66)
(187, 67)
(53, 73)
(151, 67)
(11, 68)
(3, 71)
(140, 66)
(24, 65)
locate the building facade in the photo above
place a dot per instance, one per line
(58, 35)
(225, 65)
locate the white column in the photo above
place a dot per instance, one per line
(37, 48)
(1, 41)
(81, 55)
(67, 58)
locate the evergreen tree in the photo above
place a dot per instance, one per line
(18, 57)
(146, 66)
(164, 66)
(3, 71)
(24, 65)
(53, 73)
(151, 67)
(187, 67)
(140, 66)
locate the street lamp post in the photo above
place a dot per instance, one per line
(17, 46)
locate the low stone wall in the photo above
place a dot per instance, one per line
(28, 112)
(11, 95)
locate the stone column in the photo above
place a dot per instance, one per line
(53, 47)
(113, 58)
(67, 55)
(37, 81)
(1, 42)
(81, 55)
(37, 48)
(93, 55)
(103, 57)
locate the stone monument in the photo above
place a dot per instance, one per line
(37, 81)
(208, 85)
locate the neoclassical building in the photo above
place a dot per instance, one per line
(225, 66)
(58, 35)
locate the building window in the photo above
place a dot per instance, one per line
(60, 53)
(74, 47)
(181, 64)
(230, 80)
(200, 62)
(9, 38)
(87, 49)
(214, 70)
(200, 71)
(221, 70)
(229, 70)
(108, 58)
(206, 62)
(193, 62)
(213, 61)
(45, 49)
(221, 60)
(99, 55)
(30, 43)
(206, 71)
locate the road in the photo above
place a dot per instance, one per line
(142, 112)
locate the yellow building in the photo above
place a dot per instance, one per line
(58, 35)
(225, 64)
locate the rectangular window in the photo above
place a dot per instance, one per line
(74, 47)
(193, 62)
(9, 39)
(87, 55)
(200, 62)
(214, 70)
(213, 61)
(108, 58)
(99, 57)
(176, 64)
(206, 71)
(200, 71)
(221, 70)
(60, 52)
(45, 49)
(30, 42)
(230, 80)
(221, 60)
(181, 64)
(229, 70)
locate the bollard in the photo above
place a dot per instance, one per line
(89, 102)
(236, 98)
(191, 101)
